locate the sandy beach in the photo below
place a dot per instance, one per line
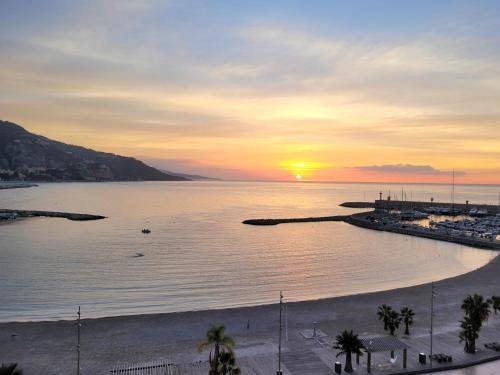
(50, 347)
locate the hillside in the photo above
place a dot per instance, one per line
(194, 177)
(31, 157)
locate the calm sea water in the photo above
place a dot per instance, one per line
(199, 255)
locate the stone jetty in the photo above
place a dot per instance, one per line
(6, 214)
(294, 220)
(16, 186)
(358, 204)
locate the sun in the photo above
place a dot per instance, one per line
(298, 177)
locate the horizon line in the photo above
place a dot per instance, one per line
(355, 182)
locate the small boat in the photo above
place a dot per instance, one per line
(482, 212)
(146, 231)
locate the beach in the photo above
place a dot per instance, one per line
(50, 347)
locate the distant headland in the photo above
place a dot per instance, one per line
(25, 156)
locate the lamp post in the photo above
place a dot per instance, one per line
(433, 294)
(285, 306)
(78, 343)
(279, 372)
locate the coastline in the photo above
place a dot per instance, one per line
(114, 339)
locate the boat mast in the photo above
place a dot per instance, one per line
(453, 190)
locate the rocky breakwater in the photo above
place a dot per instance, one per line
(16, 186)
(294, 220)
(9, 215)
(382, 221)
(358, 204)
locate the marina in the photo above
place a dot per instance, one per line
(478, 226)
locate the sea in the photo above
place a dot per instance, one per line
(200, 256)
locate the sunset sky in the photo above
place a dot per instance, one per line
(331, 90)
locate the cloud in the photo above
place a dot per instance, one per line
(408, 169)
(252, 85)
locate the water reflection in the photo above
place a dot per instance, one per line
(199, 255)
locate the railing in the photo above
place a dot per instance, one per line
(160, 367)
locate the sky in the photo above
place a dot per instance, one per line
(395, 91)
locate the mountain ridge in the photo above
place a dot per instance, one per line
(32, 157)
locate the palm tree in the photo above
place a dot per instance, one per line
(219, 340)
(391, 318)
(393, 322)
(495, 303)
(228, 364)
(384, 313)
(348, 343)
(407, 315)
(476, 308)
(10, 369)
(468, 334)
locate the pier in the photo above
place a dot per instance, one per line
(7, 214)
(294, 220)
(358, 204)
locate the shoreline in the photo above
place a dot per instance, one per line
(145, 337)
(496, 258)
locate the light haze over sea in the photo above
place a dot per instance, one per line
(199, 254)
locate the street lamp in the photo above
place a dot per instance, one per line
(279, 372)
(433, 294)
(79, 324)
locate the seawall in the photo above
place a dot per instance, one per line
(417, 205)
